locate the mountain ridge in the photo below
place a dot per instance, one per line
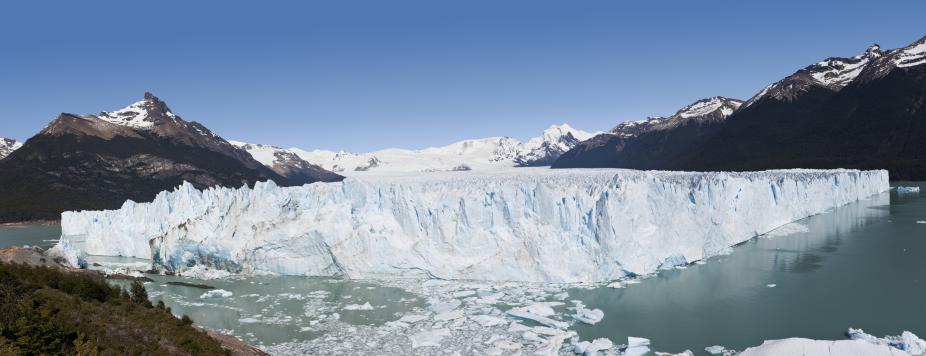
(864, 112)
(80, 162)
(474, 154)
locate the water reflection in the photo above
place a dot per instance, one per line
(815, 270)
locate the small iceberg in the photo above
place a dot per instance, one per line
(524, 314)
(637, 346)
(592, 348)
(216, 293)
(715, 350)
(908, 190)
(588, 316)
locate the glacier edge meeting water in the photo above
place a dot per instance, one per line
(533, 225)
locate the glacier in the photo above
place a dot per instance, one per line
(527, 224)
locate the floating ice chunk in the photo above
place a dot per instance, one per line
(906, 341)
(465, 293)
(908, 190)
(542, 308)
(588, 316)
(532, 336)
(439, 307)
(216, 293)
(516, 327)
(592, 348)
(506, 345)
(524, 314)
(921, 222)
(248, 320)
(491, 298)
(551, 347)
(449, 315)
(636, 346)
(714, 350)
(543, 330)
(616, 284)
(488, 320)
(204, 272)
(683, 353)
(396, 324)
(771, 285)
(364, 306)
(430, 338)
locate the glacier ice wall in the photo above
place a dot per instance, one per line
(526, 225)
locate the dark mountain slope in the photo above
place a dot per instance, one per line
(89, 162)
(863, 112)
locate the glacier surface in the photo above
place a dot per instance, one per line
(534, 225)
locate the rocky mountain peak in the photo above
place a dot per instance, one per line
(7, 146)
(144, 114)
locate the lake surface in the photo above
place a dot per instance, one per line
(44, 236)
(862, 265)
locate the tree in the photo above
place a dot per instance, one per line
(139, 294)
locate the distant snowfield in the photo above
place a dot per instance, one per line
(485, 154)
(523, 224)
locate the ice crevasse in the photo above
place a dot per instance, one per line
(537, 225)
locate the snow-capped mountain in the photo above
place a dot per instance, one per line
(835, 73)
(478, 154)
(7, 146)
(707, 110)
(864, 111)
(100, 161)
(285, 162)
(545, 149)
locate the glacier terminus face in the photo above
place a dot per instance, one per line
(534, 225)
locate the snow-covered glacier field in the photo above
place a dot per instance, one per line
(531, 225)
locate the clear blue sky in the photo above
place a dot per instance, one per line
(364, 75)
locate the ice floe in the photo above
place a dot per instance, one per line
(216, 293)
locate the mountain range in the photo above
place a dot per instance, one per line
(99, 161)
(478, 154)
(865, 111)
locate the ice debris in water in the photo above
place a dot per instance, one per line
(429, 338)
(906, 341)
(204, 272)
(771, 285)
(364, 306)
(715, 350)
(908, 190)
(216, 293)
